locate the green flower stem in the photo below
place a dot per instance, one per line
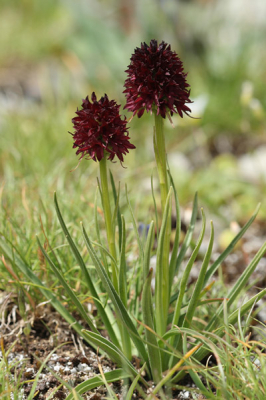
(108, 218)
(160, 155)
(161, 160)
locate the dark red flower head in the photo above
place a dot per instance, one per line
(98, 128)
(156, 78)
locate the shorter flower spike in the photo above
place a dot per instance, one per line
(156, 79)
(98, 127)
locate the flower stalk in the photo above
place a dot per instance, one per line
(100, 134)
(110, 229)
(161, 161)
(160, 155)
(157, 83)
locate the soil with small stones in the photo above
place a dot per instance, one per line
(54, 347)
(52, 341)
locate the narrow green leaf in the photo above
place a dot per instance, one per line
(25, 269)
(171, 372)
(105, 251)
(100, 189)
(238, 286)
(232, 319)
(192, 373)
(244, 277)
(117, 208)
(195, 298)
(122, 267)
(152, 345)
(172, 266)
(135, 227)
(98, 229)
(217, 318)
(107, 320)
(109, 389)
(130, 392)
(230, 247)
(186, 273)
(161, 292)
(109, 226)
(147, 251)
(113, 352)
(43, 365)
(188, 237)
(178, 318)
(155, 206)
(246, 307)
(114, 217)
(112, 376)
(68, 290)
(122, 281)
(65, 384)
(117, 302)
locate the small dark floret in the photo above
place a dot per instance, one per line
(156, 79)
(98, 127)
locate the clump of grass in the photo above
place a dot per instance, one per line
(236, 368)
(10, 374)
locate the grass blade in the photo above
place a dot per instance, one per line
(129, 395)
(106, 252)
(122, 267)
(108, 320)
(113, 352)
(161, 281)
(230, 247)
(185, 276)
(25, 269)
(172, 371)
(68, 290)
(117, 208)
(243, 279)
(152, 344)
(117, 302)
(147, 251)
(238, 286)
(193, 373)
(135, 227)
(155, 205)
(172, 266)
(177, 319)
(188, 237)
(199, 284)
(232, 319)
(112, 376)
(33, 391)
(97, 227)
(122, 282)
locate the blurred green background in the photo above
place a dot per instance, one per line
(53, 53)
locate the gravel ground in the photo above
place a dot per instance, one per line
(74, 361)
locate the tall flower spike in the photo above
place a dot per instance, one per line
(98, 127)
(156, 79)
